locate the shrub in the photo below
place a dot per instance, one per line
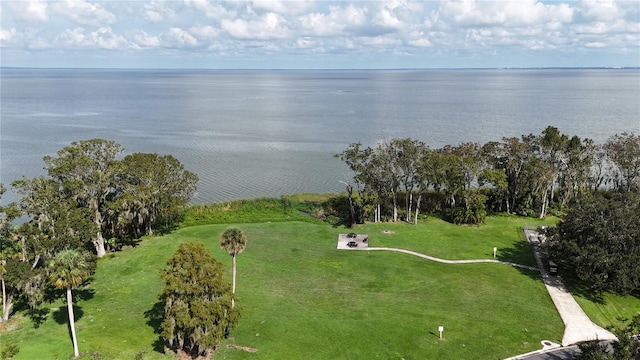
(9, 350)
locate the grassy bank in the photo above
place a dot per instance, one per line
(302, 298)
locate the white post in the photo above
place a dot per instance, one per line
(495, 249)
(440, 330)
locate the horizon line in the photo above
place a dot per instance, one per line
(330, 69)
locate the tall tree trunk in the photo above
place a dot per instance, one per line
(98, 243)
(7, 303)
(395, 207)
(72, 323)
(148, 230)
(415, 218)
(409, 206)
(4, 300)
(352, 210)
(233, 283)
(544, 203)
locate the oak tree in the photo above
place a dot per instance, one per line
(599, 241)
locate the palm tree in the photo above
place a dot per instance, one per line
(70, 269)
(233, 241)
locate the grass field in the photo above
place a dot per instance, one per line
(302, 298)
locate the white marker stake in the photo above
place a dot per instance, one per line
(495, 249)
(440, 329)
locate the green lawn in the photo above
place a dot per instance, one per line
(302, 298)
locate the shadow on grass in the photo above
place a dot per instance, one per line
(61, 315)
(576, 287)
(155, 316)
(521, 253)
(39, 316)
(51, 294)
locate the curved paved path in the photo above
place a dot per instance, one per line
(578, 326)
(444, 261)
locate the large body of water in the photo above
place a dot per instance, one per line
(267, 133)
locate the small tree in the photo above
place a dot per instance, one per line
(233, 241)
(70, 269)
(198, 311)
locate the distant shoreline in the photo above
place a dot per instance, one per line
(325, 69)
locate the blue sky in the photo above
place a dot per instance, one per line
(319, 34)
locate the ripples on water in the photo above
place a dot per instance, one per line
(268, 133)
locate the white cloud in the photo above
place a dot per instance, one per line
(83, 13)
(387, 19)
(601, 10)
(595, 44)
(284, 7)
(337, 22)
(211, 10)
(418, 38)
(27, 38)
(381, 41)
(204, 32)
(264, 27)
(308, 43)
(399, 14)
(102, 38)
(156, 12)
(32, 10)
(7, 36)
(470, 13)
(144, 40)
(372, 29)
(178, 38)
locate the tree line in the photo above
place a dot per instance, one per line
(527, 175)
(90, 202)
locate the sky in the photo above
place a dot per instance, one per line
(319, 34)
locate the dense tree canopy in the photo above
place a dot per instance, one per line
(599, 241)
(89, 200)
(89, 190)
(528, 175)
(198, 310)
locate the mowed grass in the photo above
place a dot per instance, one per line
(442, 239)
(608, 308)
(302, 298)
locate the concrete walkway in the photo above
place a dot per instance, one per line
(444, 261)
(578, 326)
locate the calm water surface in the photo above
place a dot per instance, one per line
(267, 133)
